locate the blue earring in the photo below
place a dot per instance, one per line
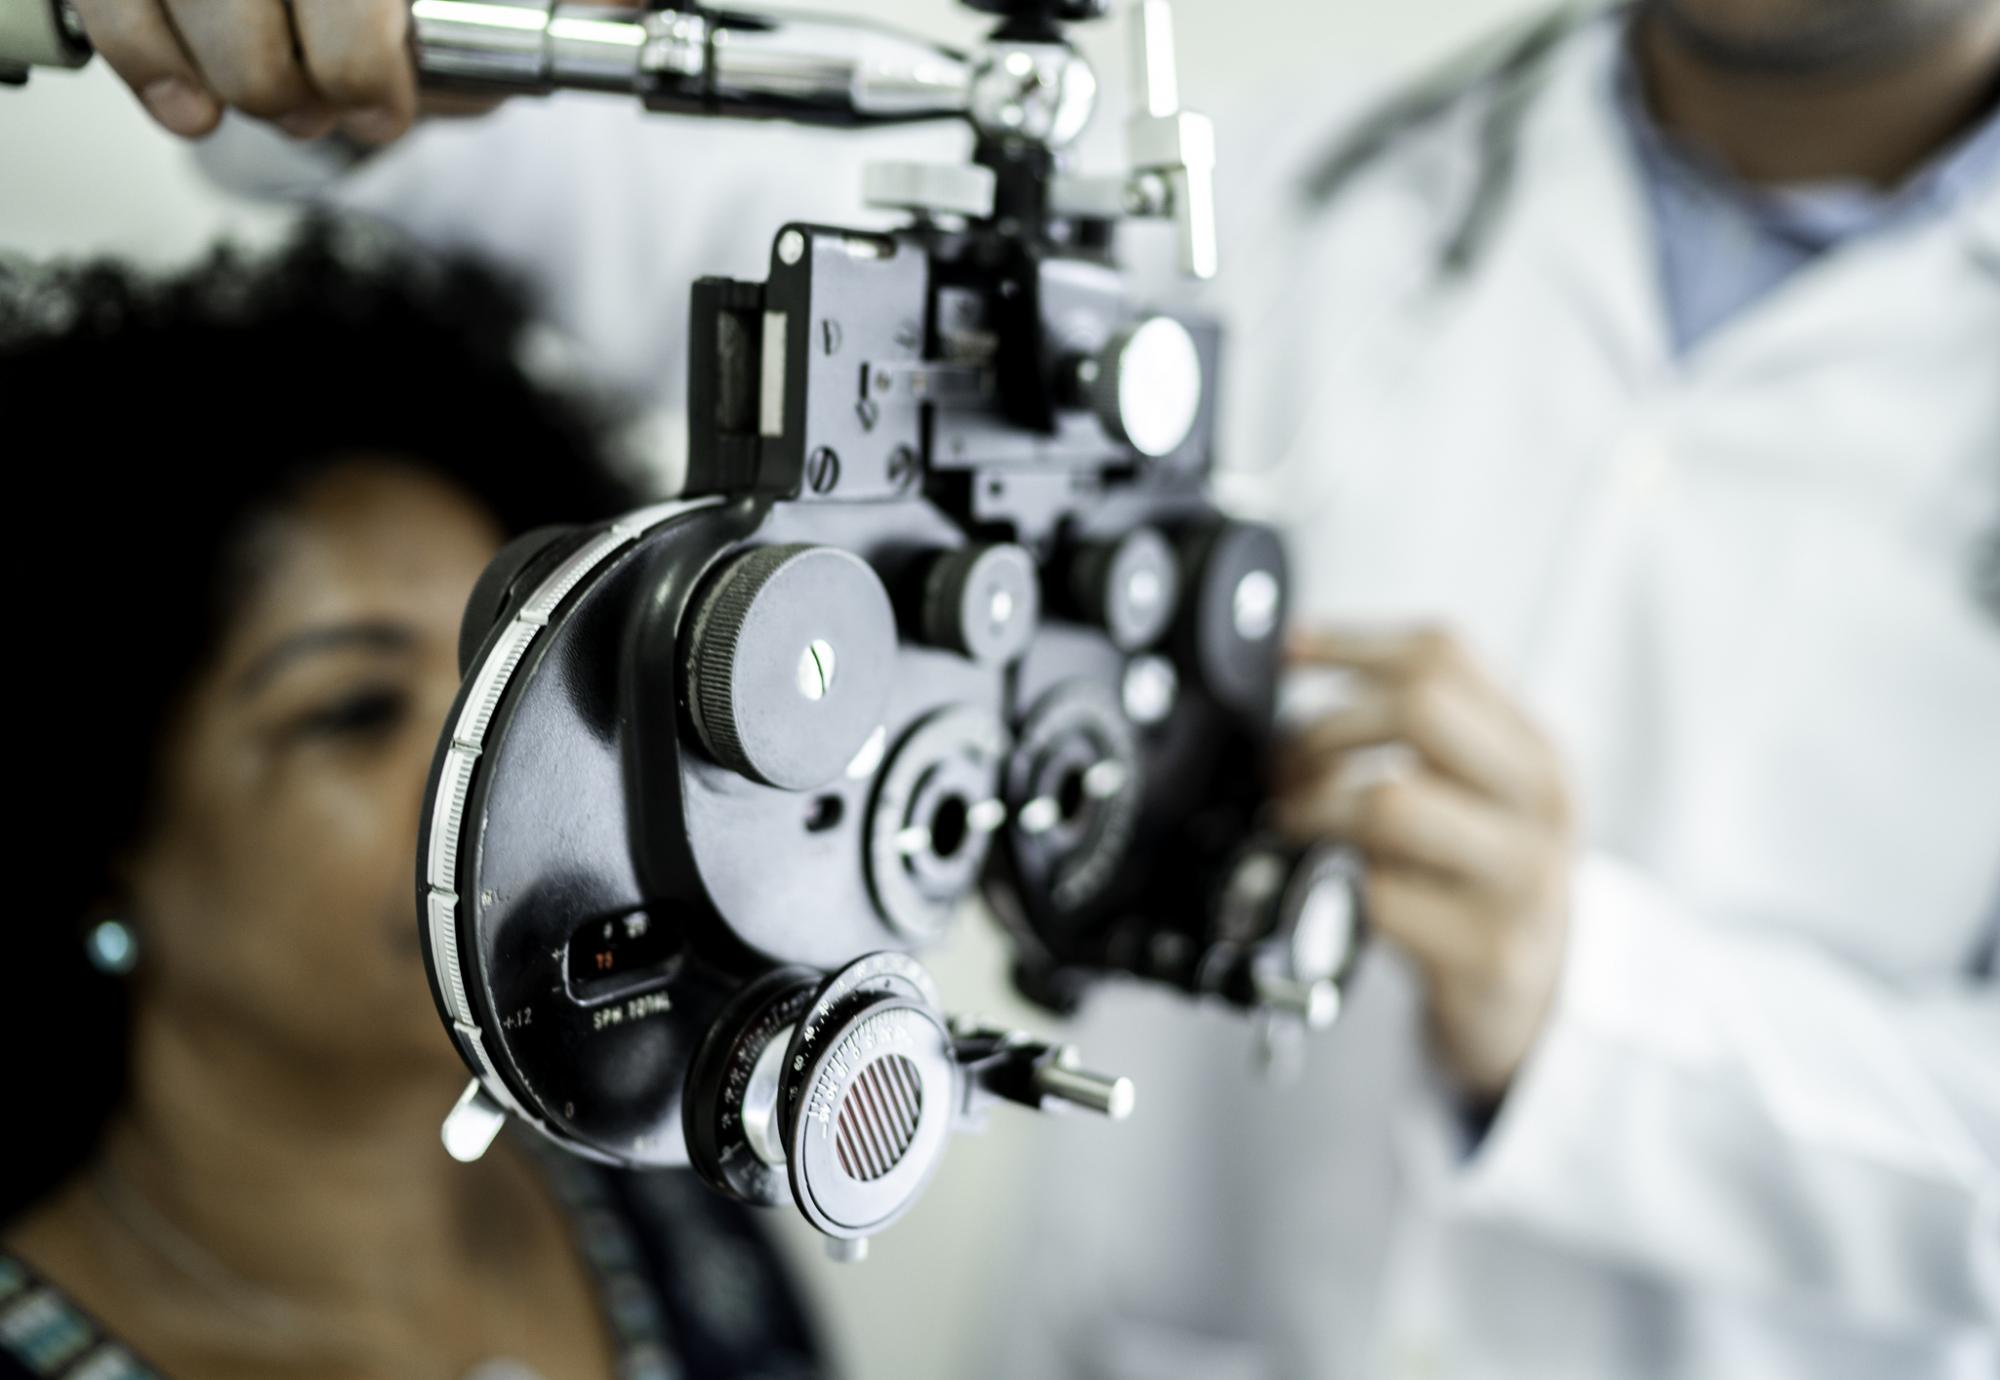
(112, 947)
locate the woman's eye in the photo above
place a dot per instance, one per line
(359, 715)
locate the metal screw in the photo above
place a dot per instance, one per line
(822, 470)
(791, 247)
(829, 333)
(816, 670)
(902, 466)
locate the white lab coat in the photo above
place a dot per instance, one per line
(1761, 1135)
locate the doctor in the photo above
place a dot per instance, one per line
(1633, 399)
(1633, 402)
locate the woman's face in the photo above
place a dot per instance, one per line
(274, 894)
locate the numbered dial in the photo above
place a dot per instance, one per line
(1073, 785)
(870, 1091)
(734, 1091)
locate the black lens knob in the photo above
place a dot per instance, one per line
(1146, 386)
(791, 656)
(1232, 625)
(1129, 586)
(983, 601)
(1289, 928)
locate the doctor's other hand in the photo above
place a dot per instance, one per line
(308, 66)
(1468, 851)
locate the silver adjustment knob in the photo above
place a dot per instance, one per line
(1041, 93)
(41, 33)
(984, 601)
(791, 657)
(1316, 1004)
(1061, 1081)
(472, 1124)
(1146, 386)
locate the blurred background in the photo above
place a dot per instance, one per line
(83, 172)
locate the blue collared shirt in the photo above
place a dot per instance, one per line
(1724, 244)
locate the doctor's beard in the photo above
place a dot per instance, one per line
(1808, 38)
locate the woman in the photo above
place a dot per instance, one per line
(223, 1158)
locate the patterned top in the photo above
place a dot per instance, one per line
(690, 1287)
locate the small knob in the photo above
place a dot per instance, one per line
(1314, 1004)
(472, 1124)
(1235, 609)
(983, 601)
(1130, 587)
(1060, 1080)
(791, 657)
(1146, 386)
(1288, 930)
(847, 1250)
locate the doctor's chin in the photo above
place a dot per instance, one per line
(1003, 690)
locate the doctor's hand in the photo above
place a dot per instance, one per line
(309, 66)
(1468, 851)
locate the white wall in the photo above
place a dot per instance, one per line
(82, 171)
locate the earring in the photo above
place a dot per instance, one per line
(112, 947)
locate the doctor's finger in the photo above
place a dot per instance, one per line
(1418, 820)
(249, 58)
(1389, 652)
(139, 41)
(1451, 725)
(1430, 918)
(357, 53)
(1400, 655)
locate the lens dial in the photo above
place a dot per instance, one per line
(1129, 586)
(1288, 931)
(932, 818)
(731, 1109)
(1073, 789)
(1232, 625)
(791, 657)
(983, 601)
(870, 1087)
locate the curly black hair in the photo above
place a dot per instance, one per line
(150, 422)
